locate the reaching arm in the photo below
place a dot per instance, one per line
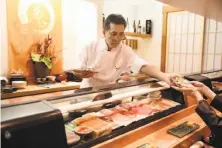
(217, 103)
(209, 116)
(156, 73)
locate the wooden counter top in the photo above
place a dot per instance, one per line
(163, 139)
(36, 89)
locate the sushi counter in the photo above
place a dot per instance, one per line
(130, 114)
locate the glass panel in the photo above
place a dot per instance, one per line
(179, 23)
(212, 27)
(184, 43)
(183, 63)
(190, 44)
(217, 62)
(206, 43)
(189, 63)
(196, 63)
(185, 23)
(199, 23)
(219, 26)
(210, 62)
(171, 44)
(177, 43)
(172, 23)
(170, 63)
(176, 63)
(211, 43)
(205, 63)
(197, 43)
(191, 23)
(218, 43)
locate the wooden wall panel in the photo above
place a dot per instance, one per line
(29, 21)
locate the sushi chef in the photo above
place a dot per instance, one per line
(109, 59)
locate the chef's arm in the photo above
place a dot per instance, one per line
(152, 71)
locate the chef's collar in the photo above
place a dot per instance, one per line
(106, 47)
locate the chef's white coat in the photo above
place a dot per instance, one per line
(109, 64)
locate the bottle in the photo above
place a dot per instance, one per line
(139, 27)
(144, 29)
(148, 27)
(127, 25)
(134, 26)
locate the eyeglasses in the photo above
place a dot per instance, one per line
(120, 36)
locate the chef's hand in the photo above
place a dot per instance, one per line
(86, 74)
(124, 77)
(170, 77)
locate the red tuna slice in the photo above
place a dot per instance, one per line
(129, 105)
(142, 110)
(119, 109)
(106, 112)
(130, 114)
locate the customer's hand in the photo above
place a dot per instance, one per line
(190, 90)
(200, 86)
(186, 89)
(206, 91)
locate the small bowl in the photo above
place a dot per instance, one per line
(154, 94)
(155, 98)
(82, 130)
(19, 84)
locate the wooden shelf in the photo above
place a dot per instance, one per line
(140, 35)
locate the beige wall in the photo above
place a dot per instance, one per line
(79, 30)
(150, 49)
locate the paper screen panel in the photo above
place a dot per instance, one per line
(218, 43)
(217, 62)
(182, 63)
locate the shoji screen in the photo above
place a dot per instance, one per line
(212, 46)
(184, 42)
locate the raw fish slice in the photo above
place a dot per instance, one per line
(109, 120)
(142, 110)
(121, 119)
(118, 109)
(131, 114)
(129, 105)
(106, 112)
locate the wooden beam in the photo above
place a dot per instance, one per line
(166, 9)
